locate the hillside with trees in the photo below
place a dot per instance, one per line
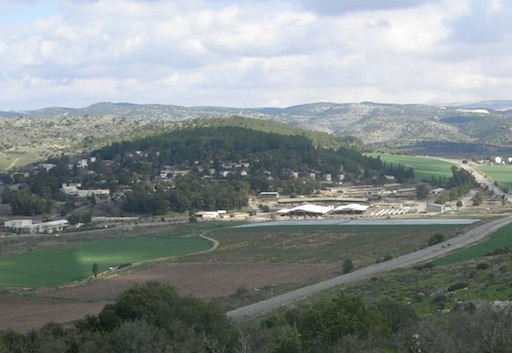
(201, 168)
(473, 129)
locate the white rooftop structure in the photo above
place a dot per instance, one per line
(307, 208)
(352, 207)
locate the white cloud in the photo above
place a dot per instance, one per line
(253, 53)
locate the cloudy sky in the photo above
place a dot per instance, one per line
(253, 53)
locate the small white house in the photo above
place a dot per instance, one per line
(18, 224)
(82, 163)
(269, 195)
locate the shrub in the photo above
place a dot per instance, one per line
(436, 239)
(348, 266)
(482, 266)
(424, 266)
(499, 251)
(457, 286)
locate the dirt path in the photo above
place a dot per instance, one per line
(13, 164)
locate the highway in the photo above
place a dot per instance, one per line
(429, 253)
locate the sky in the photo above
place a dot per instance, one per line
(253, 53)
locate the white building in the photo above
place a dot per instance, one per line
(50, 227)
(18, 224)
(82, 163)
(306, 210)
(269, 195)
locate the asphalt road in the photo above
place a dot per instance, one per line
(411, 259)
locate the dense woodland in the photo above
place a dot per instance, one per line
(153, 318)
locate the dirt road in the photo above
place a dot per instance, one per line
(414, 258)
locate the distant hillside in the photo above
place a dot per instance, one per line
(491, 104)
(396, 126)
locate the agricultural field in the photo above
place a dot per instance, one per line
(251, 264)
(424, 167)
(66, 264)
(499, 240)
(13, 159)
(314, 244)
(500, 173)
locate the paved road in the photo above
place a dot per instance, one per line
(414, 258)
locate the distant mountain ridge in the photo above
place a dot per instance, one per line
(391, 125)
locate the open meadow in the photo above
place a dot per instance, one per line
(13, 159)
(500, 173)
(424, 167)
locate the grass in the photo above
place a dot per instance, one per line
(500, 173)
(319, 244)
(498, 240)
(423, 289)
(13, 159)
(424, 167)
(61, 265)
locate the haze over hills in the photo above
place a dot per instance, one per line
(388, 125)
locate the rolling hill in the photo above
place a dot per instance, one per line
(410, 127)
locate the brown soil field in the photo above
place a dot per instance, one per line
(207, 280)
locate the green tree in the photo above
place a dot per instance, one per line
(95, 270)
(161, 306)
(422, 191)
(343, 315)
(289, 341)
(478, 199)
(348, 266)
(436, 239)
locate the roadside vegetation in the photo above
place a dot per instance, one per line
(502, 174)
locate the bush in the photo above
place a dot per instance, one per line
(436, 239)
(457, 286)
(421, 267)
(482, 266)
(348, 266)
(499, 251)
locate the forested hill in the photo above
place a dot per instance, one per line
(277, 154)
(318, 138)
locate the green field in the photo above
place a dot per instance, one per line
(424, 167)
(60, 265)
(13, 159)
(500, 173)
(501, 239)
(319, 244)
